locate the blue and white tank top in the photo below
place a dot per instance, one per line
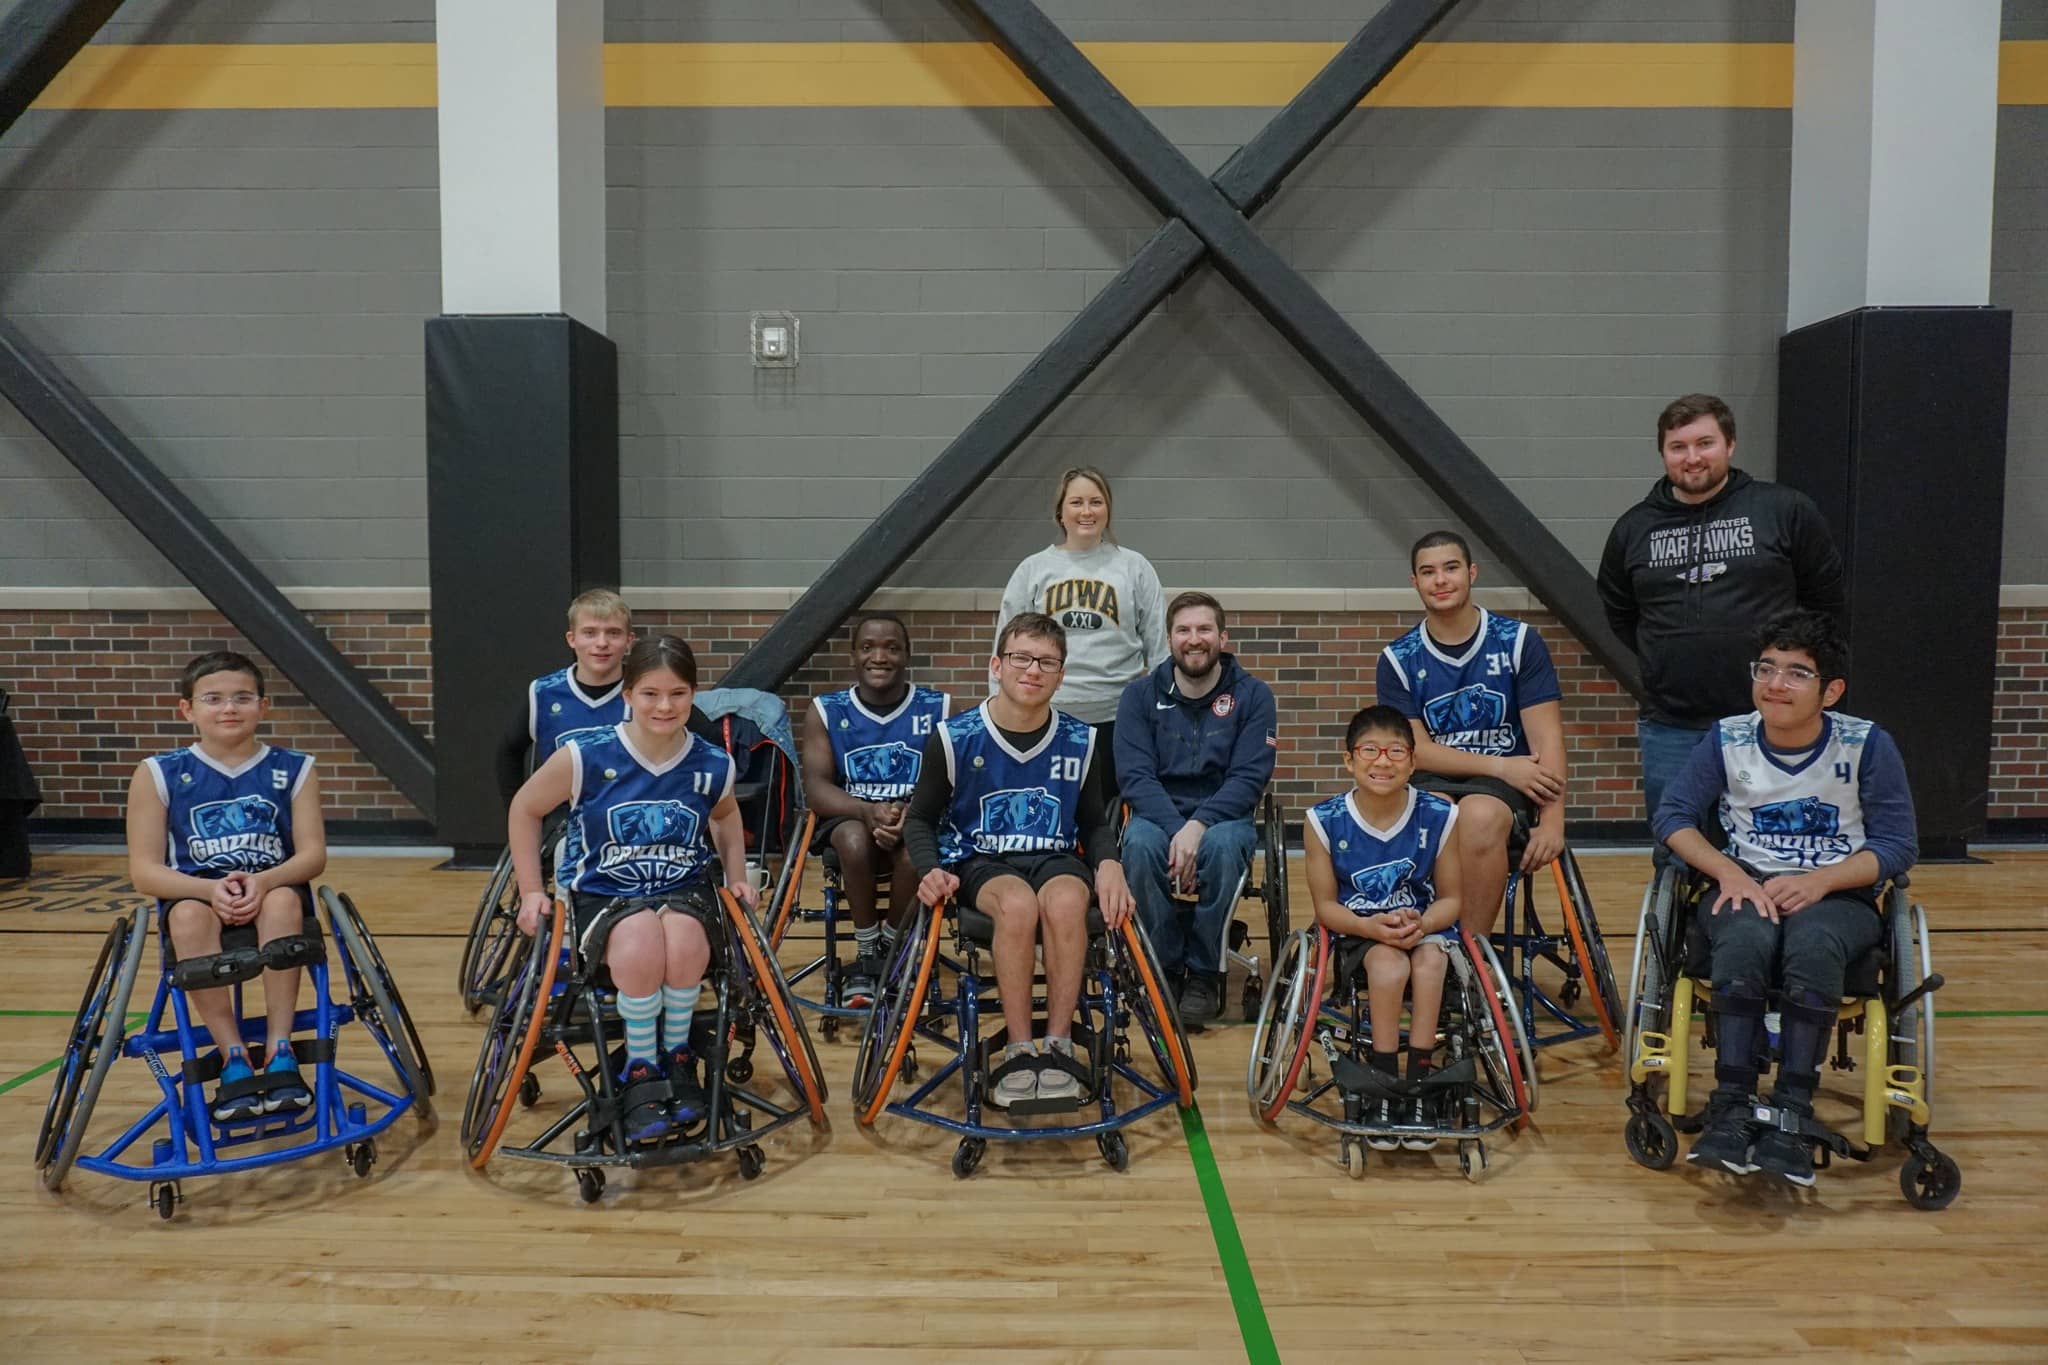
(877, 757)
(1384, 869)
(1005, 801)
(221, 820)
(635, 828)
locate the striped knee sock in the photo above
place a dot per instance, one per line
(642, 1015)
(678, 1003)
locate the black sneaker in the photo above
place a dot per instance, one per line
(1380, 1114)
(1200, 1000)
(1416, 1111)
(1785, 1155)
(640, 1091)
(857, 987)
(1725, 1145)
(688, 1102)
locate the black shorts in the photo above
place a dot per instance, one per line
(1036, 869)
(1523, 809)
(592, 918)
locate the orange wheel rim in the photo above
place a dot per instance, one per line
(785, 908)
(785, 1026)
(909, 1027)
(1500, 1023)
(1580, 943)
(526, 1044)
(1158, 1002)
(1308, 1028)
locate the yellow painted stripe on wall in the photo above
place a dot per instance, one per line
(954, 75)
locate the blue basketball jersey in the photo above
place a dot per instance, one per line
(1473, 701)
(1384, 869)
(558, 707)
(636, 829)
(1010, 802)
(877, 758)
(222, 820)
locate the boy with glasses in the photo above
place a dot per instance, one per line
(1008, 805)
(1818, 816)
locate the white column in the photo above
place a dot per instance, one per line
(1894, 136)
(522, 157)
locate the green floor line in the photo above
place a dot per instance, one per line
(37, 1014)
(1237, 1271)
(134, 1017)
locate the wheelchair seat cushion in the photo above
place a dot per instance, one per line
(980, 928)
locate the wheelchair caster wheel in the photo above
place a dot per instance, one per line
(1930, 1180)
(164, 1197)
(751, 1162)
(361, 1156)
(910, 1068)
(590, 1185)
(830, 1028)
(967, 1156)
(1652, 1141)
(1115, 1151)
(1569, 994)
(739, 1070)
(1472, 1159)
(1354, 1158)
(529, 1090)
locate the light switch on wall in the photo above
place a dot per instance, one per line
(775, 341)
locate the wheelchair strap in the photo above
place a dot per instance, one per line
(232, 965)
(1742, 1005)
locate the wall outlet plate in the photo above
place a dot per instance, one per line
(774, 337)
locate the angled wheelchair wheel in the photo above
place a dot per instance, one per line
(1159, 1014)
(1273, 831)
(95, 1041)
(789, 886)
(1587, 948)
(1912, 1028)
(892, 1019)
(515, 1029)
(374, 995)
(1280, 1039)
(1506, 1048)
(1651, 972)
(497, 916)
(799, 1058)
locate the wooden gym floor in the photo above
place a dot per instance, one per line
(1222, 1242)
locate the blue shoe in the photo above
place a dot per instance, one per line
(234, 1098)
(285, 1089)
(688, 1102)
(644, 1099)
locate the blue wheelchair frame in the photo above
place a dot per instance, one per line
(1522, 942)
(347, 1111)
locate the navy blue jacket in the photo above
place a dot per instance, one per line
(1204, 758)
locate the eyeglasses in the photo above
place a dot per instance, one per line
(217, 699)
(1025, 663)
(1793, 675)
(1373, 753)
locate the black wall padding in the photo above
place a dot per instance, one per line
(523, 507)
(1893, 420)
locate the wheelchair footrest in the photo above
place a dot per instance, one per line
(1037, 1108)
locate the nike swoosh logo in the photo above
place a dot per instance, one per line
(1162, 705)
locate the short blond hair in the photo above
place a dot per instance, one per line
(602, 603)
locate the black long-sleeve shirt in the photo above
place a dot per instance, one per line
(934, 793)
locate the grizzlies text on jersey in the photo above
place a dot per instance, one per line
(636, 829)
(1384, 869)
(558, 707)
(220, 820)
(876, 758)
(1010, 802)
(1474, 700)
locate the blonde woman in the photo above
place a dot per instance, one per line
(1107, 598)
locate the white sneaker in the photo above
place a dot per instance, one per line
(1054, 1083)
(1021, 1084)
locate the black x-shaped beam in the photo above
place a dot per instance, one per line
(1215, 214)
(1247, 180)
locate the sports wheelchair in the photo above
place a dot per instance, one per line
(1269, 888)
(1121, 986)
(1579, 954)
(556, 999)
(752, 726)
(347, 1111)
(1885, 1003)
(785, 911)
(1316, 1002)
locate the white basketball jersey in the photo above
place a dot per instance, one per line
(1789, 817)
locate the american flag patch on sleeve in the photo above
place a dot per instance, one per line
(1272, 740)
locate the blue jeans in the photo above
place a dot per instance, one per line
(1665, 750)
(1225, 853)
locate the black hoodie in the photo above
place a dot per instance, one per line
(1688, 585)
